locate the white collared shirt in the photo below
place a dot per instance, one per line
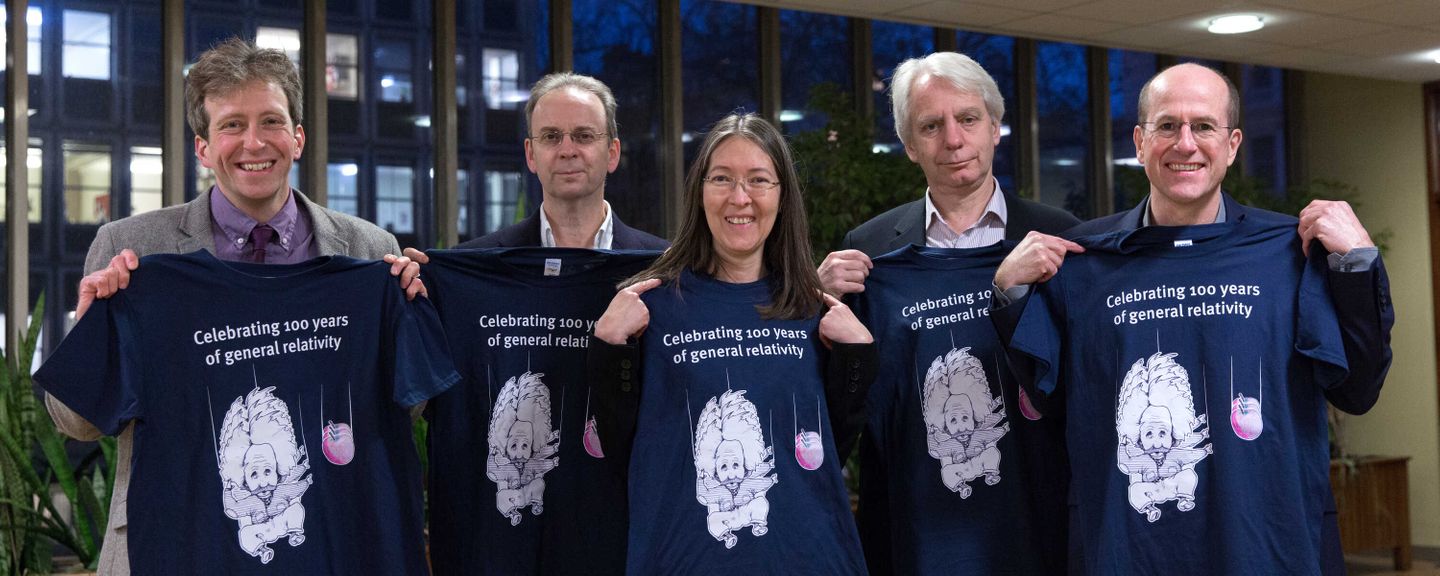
(603, 237)
(989, 229)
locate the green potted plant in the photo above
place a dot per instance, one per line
(31, 520)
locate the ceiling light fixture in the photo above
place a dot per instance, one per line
(1236, 24)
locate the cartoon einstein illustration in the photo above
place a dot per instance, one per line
(264, 472)
(1160, 435)
(733, 467)
(522, 446)
(963, 421)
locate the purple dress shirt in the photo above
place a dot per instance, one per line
(294, 242)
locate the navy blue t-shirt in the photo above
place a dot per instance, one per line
(972, 474)
(733, 469)
(519, 483)
(272, 434)
(1193, 361)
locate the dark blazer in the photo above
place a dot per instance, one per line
(527, 233)
(896, 228)
(1366, 314)
(905, 225)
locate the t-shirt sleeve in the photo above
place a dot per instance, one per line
(94, 371)
(1034, 351)
(1317, 330)
(422, 369)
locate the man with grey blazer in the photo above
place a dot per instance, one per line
(244, 105)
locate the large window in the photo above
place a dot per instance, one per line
(1263, 124)
(34, 18)
(342, 66)
(286, 40)
(502, 80)
(343, 187)
(1062, 88)
(397, 114)
(502, 199)
(462, 197)
(86, 51)
(35, 164)
(1128, 73)
(996, 54)
(624, 59)
(87, 183)
(395, 198)
(721, 65)
(393, 63)
(146, 172)
(814, 50)
(894, 43)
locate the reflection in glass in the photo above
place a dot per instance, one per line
(86, 53)
(286, 40)
(996, 54)
(87, 183)
(623, 57)
(342, 190)
(502, 80)
(814, 49)
(1263, 104)
(146, 172)
(1128, 73)
(392, 63)
(720, 65)
(342, 66)
(462, 193)
(34, 18)
(502, 198)
(893, 43)
(1063, 98)
(34, 164)
(395, 199)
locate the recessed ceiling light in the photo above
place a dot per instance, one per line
(1236, 24)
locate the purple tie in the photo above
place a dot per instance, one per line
(260, 237)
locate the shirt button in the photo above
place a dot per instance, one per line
(625, 386)
(625, 363)
(625, 375)
(240, 241)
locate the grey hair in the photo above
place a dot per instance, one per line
(959, 70)
(561, 80)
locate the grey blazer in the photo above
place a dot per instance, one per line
(179, 230)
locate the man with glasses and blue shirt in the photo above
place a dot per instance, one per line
(1187, 136)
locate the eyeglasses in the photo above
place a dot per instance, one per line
(751, 184)
(582, 137)
(1201, 130)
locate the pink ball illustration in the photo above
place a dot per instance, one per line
(1026, 408)
(1245, 417)
(808, 451)
(592, 440)
(338, 443)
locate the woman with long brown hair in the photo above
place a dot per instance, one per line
(723, 362)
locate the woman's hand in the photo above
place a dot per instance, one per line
(627, 315)
(839, 324)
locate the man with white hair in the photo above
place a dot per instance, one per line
(948, 113)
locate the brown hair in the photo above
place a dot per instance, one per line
(794, 286)
(231, 65)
